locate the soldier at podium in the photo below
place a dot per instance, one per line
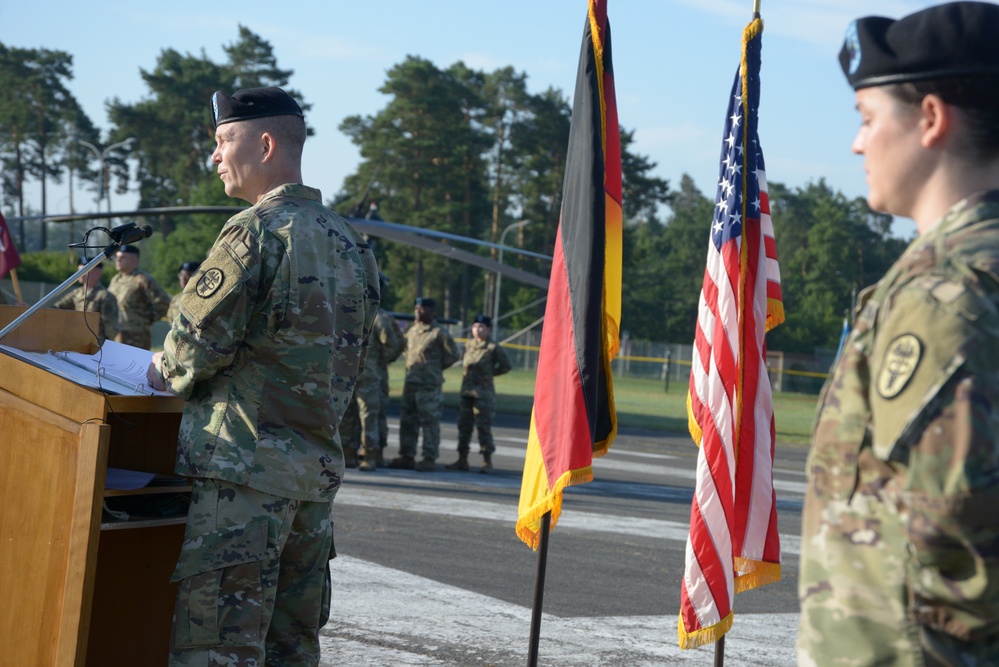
(266, 351)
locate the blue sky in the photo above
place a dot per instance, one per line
(674, 61)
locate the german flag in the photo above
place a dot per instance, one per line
(574, 418)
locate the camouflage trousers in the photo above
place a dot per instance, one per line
(476, 412)
(383, 413)
(350, 427)
(253, 575)
(141, 339)
(360, 429)
(421, 409)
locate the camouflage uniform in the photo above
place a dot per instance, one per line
(383, 409)
(266, 351)
(141, 301)
(429, 350)
(900, 537)
(482, 360)
(361, 424)
(98, 301)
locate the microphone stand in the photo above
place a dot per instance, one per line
(107, 253)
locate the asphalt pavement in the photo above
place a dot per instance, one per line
(430, 571)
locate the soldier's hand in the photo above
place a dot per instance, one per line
(153, 376)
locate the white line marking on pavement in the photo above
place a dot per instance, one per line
(365, 496)
(383, 616)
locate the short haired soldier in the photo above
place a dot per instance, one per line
(429, 351)
(91, 296)
(266, 351)
(141, 300)
(900, 532)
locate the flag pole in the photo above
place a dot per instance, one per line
(720, 643)
(720, 652)
(17, 286)
(539, 589)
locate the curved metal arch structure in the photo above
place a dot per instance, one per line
(392, 231)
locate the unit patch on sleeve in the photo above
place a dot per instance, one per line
(901, 361)
(210, 282)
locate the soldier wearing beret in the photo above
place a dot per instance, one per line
(141, 300)
(482, 360)
(429, 350)
(266, 350)
(91, 296)
(900, 531)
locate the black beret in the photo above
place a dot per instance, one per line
(957, 39)
(130, 249)
(483, 319)
(424, 301)
(190, 267)
(253, 103)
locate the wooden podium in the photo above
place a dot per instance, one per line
(76, 590)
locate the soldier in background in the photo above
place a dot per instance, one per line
(429, 350)
(900, 533)
(360, 427)
(483, 359)
(184, 274)
(141, 301)
(90, 296)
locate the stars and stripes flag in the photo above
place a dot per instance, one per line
(733, 543)
(9, 258)
(573, 418)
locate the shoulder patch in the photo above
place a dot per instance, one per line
(222, 277)
(210, 282)
(901, 360)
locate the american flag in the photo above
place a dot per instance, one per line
(733, 543)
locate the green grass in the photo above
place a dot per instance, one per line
(641, 403)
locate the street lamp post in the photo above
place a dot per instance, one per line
(101, 156)
(499, 275)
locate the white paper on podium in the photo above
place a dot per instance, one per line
(116, 368)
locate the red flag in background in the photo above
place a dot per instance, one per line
(9, 258)
(574, 418)
(733, 544)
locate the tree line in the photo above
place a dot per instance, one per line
(455, 149)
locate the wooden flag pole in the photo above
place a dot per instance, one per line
(539, 589)
(17, 287)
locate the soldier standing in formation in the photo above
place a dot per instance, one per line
(900, 532)
(266, 351)
(429, 350)
(141, 301)
(91, 296)
(184, 274)
(483, 359)
(360, 427)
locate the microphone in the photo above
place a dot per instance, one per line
(125, 234)
(129, 233)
